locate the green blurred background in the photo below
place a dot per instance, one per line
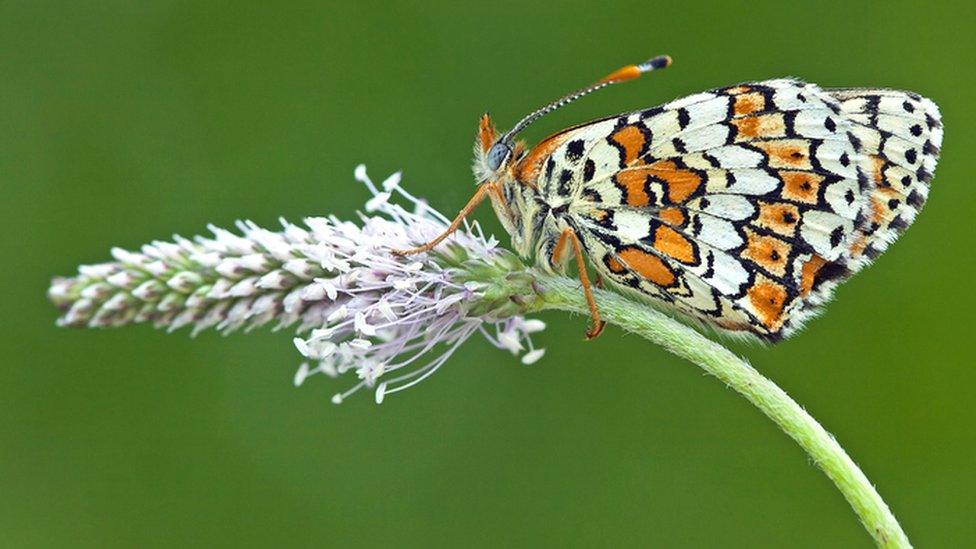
(122, 122)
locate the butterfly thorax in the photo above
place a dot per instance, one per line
(531, 217)
(521, 212)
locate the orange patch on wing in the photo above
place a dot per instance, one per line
(786, 153)
(877, 169)
(748, 103)
(527, 170)
(614, 264)
(779, 218)
(800, 186)
(631, 139)
(673, 244)
(681, 182)
(768, 252)
(736, 90)
(765, 125)
(768, 300)
(672, 216)
(747, 127)
(648, 266)
(633, 183)
(858, 245)
(598, 215)
(808, 273)
(889, 191)
(878, 210)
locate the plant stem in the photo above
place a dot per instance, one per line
(564, 294)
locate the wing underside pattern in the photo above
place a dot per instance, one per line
(743, 207)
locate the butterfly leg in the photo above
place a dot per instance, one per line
(478, 197)
(569, 236)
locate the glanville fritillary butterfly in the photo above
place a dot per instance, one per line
(741, 207)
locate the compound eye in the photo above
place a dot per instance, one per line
(497, 155)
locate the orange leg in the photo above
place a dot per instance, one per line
(478, 197)
(569, 236)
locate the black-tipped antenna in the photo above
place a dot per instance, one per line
(622, 74)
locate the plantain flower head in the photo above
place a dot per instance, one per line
(359, 312)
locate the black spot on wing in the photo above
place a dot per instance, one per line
(849, 196)
(898, 224)
(574, 150)
(863, 182)
(836, 236)
(830, 271)
(649, 113)
(915, 199)
(592, 195)
(871, 106)
(589, 168)
(923, 175)
(564, 178)
(550, 165)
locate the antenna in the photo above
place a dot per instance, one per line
(622, 74)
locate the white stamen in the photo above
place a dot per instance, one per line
(510, 340)
(301, 374)
(533, 325)
(532, 357)
(339, 314)
(302, 346)
(391, 182)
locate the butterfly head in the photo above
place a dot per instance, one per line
(493, 153)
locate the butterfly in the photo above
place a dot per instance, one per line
(741, 207)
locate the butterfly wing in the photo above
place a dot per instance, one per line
(901, 134)
(743, 207)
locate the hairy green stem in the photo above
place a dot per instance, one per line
(564, 294)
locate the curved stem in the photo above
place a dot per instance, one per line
(564, 294)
